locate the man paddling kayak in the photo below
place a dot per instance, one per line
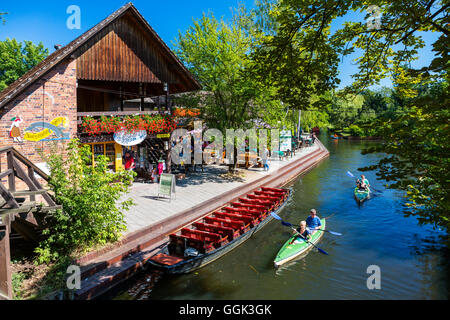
(365, 181)
(313, 222)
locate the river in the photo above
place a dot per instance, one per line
(412, 260)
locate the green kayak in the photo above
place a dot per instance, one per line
(289, 252)
(360, 196)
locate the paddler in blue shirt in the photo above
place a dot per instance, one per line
(313, 222)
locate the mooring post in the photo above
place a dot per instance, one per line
(5, 262)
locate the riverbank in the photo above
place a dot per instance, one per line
(152, 219)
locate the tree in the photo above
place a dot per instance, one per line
(89, 195)
(16, 58)
(216, 53)
(416, 134)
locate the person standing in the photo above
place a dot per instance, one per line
(266, 159)
(129, 162)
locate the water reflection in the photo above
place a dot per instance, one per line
(413, 260)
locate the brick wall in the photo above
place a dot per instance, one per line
(51, 96)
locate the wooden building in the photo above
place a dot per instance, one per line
(119, 59)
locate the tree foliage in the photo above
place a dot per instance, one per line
(301, 58)
(216, 53)
(16, 58)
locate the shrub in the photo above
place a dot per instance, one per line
(89, 195)
(356, 131)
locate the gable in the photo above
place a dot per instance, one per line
(125, 51)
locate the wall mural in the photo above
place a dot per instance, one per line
(14, 131)
(41, 131)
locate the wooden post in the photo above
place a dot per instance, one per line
(159, 104)
(168, 106)
(141, 105)
(5, 263)
(31, 175)
(11, 177)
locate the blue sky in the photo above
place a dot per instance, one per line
(46, 21)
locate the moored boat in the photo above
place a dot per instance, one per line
(295, 247)
(211, 237)
(361, 195)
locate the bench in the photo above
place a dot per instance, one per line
(231, 216)
(223, 231)
(239, 227)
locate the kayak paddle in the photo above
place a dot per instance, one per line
(306, 240)
(287, 224)
(371, 187)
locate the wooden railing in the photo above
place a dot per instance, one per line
(18, 166)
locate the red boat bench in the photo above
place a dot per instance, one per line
(257, 202)
(239, 227)
(280, 196)
(223, 231)
(274, 190)
(245, 212)
(214, 238)
(177, 240)
(231, 216)
(257, 207)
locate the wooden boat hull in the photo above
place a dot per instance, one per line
(361, 196)
(192, 264)
(298, 248)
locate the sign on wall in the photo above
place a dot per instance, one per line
(41, 130)
(127, 139)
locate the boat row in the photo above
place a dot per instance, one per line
(209, 238)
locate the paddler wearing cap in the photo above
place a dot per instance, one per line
(313, 222)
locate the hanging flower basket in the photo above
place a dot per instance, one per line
(179, 112)
(151, 123)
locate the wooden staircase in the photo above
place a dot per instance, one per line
(19, 209)
(155, 149)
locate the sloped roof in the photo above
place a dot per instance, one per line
(56, 57)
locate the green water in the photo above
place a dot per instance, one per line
(413, 262)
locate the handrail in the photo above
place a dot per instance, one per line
(25, 161)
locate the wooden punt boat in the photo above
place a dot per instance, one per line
(213, 236)
(361, 195)
(289, 251)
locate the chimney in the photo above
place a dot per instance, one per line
(57, 46)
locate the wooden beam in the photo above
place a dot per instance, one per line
(5, 173)
(9, 198)
(28, 192)
(31, 182)
(26, 231)
(5, 264)
(11, 177)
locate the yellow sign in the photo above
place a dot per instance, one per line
(57, 126)
(60, 121)
(37, 136)
(163, 135)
